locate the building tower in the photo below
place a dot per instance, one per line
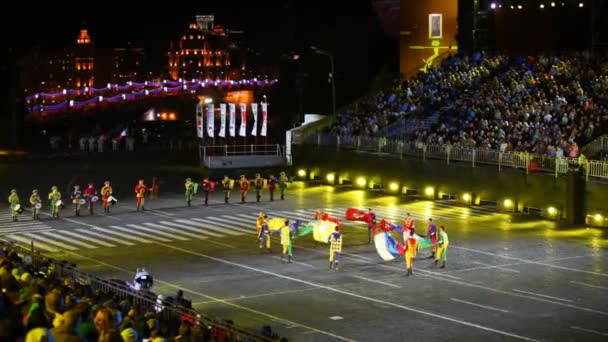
(84, 60)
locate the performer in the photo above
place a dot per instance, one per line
(272, 185)
(265, 237)
(259, 185)
(319, 214)
(76, 196)
(371, 225)
(259, 222)
(90, 195)
(408, 223)
(13, 200)
(442, 250)
(335, 248)
(244, 186)
(36, 204)
(431, 234)
(55, 197)
(106, 192)
(286, 241)
(206, 186)
(227, 185)
(411, 248)
(140, 194)
(283, 184)
(189, 191)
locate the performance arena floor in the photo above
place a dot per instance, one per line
(507, 278)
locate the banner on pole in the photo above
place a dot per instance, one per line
(254, 112)
(243, 128)
(264, 118)
(210, 121)
(222, 132)
(199, 121)
(232, 127)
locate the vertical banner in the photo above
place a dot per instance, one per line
(232, 127)
(222, 120)
(264, 118)
(254, 112)
(210, 121)
(288, 147)
(199, 121)
(243, 128)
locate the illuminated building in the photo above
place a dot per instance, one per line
(204, 51)
(84, 60)
(128, 64)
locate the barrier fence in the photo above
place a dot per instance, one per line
(529, 162)
(219, 330)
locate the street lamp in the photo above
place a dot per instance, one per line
(332, 75)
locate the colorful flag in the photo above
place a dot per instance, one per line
(242, 129)
(210, 121)
(254, 112)
(222, 132)
(232, 127)
(264, 118)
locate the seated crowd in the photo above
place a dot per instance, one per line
(540, 104)
(36, 305)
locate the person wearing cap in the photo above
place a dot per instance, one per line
(286, 241)
(206, 188)
(106, 192)
(76, 196)
(442, 248)
(13, 200)
(140, 194)
(55, 198)
(411, 248)
(283, 184)
(35, 203)
(258, 184)
(244, 186)
(272, 185)
(90, 195)
(189, 191)
(259, 222)
(227, 185)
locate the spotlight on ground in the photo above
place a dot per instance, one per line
(508, 203)
(393, 186)
(361, 181)
(330, 177)
(429, 191)
(466, 197)
(598, 217)
(302, 173)
(551, 211)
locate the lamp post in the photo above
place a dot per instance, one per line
(331, 74)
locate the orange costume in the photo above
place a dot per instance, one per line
(244, 186)
(140, 194)
(411, 248)
(106, 192)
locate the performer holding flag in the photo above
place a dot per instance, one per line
(335, 248)
(140, 194)
(227, 185)
(206, 188)
(189, 190)
(36, 204)
(106, 192)
(259, 222)
(13, 200)
(55, 197)
(272, 185)
(265, 237)
(442, 250)
(259, 185)
(411, 248)
(283, 184)
(76, 197)
(431, 234)
(90, 195)
(286, 241)
(371, 225)
(244, 186)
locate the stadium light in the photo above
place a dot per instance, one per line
(598, 217)
(330, 177)
(552, 4)
(361, 181)
(507, 203)
(519, 6)
(552, 211)
(393, 186)
(302, 173)
(429, 191)
(493, 5)
(466, 197)
(580, 4)
(542, 6)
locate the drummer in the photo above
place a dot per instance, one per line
(55, 198)
(36, 204)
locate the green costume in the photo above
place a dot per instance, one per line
(283, 184)
(286, 242)
(189, 190)
(442, 249)
(13, 199)
(54, 197)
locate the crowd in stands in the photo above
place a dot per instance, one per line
(544, 104)
(36, 305)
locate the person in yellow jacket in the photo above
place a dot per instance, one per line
(189, 185)
(259, 222)
(442, 248)
(335, 248)
(13, 200)
(411, 249)
(55, 198)
(286, 242)
(36, 204)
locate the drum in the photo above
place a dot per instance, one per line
(18, 209)
(112, 200)
(94, 199)
(82, 201)
(38, 205)
(59, 203)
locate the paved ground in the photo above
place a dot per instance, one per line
(507, 278)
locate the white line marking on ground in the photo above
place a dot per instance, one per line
(111, 217)
(70, 240)
(192, 229)
(255, 296)
(295, 262)
(49, 241)
(377, 281)
(335, 318)
(163, 212)
(497, 267)
(156, 231)
(352, 294)
(542, 295)
(590, 285)
(84, 237)
(220, 243)
(109, 238)
(589, 331)
(27, 243)
(133, 232)
(158, 226)
(479, 305)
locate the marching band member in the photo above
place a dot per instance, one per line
(140, 194)
(189, 190)
(371, 225)
(283, 184)
(272, 185)
(227, 185)
(76, 196)
(13, 200)
(319, 214)
(411, 248)
(431, 234)
(442, 250)
(408, 223)
(259, 222)
(259, 185)
(90, 195)
(36, 204)
(206, 187)
(286, 241)
(106, 192)
(244, 186)
(55, 197)
(265, 237)
(335, 248)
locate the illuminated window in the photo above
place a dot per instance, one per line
(191, 37)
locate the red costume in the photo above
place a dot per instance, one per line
(206, 186)
(244, 186)
(140, 193)
(89, 193)
(106, 192)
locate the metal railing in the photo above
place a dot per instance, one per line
(219, 329)
(518, 160)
